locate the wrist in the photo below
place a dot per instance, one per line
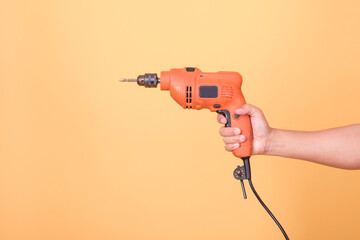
(271, 141)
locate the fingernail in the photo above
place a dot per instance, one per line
(242, 138)
(237, 131)
(236, 145)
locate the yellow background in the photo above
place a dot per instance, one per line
(85, 157)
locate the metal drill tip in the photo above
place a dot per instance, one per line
(127, 80)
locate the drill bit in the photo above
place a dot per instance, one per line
(127, 80)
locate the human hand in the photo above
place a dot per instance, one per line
(261, 130)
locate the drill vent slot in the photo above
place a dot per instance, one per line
(189, 95)
(227, 92)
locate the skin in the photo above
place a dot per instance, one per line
(336, 147)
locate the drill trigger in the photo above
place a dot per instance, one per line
(227, 115)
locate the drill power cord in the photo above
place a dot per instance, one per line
(244, 172)
(268, 210)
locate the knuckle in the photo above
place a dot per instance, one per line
(231, 140)
(221, 131)
(229, 147)
(227, 132)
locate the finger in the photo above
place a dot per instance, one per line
(229, 131)
(235, 139)
(231, 147)
(248, 109)
(221, 119)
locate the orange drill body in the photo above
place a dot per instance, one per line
(219, 91)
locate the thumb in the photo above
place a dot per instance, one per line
(248, 109)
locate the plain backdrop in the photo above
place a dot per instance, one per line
(83, 156)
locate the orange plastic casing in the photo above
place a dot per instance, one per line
(219, 91)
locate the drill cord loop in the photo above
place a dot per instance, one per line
(244, 172)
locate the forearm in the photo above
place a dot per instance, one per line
(337, 147)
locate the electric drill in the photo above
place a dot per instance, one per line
(219, 92)
(193, 89)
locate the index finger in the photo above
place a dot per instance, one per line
(221, 119)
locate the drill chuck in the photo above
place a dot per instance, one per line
(149, 80)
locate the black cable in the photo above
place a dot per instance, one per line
(268, 210)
